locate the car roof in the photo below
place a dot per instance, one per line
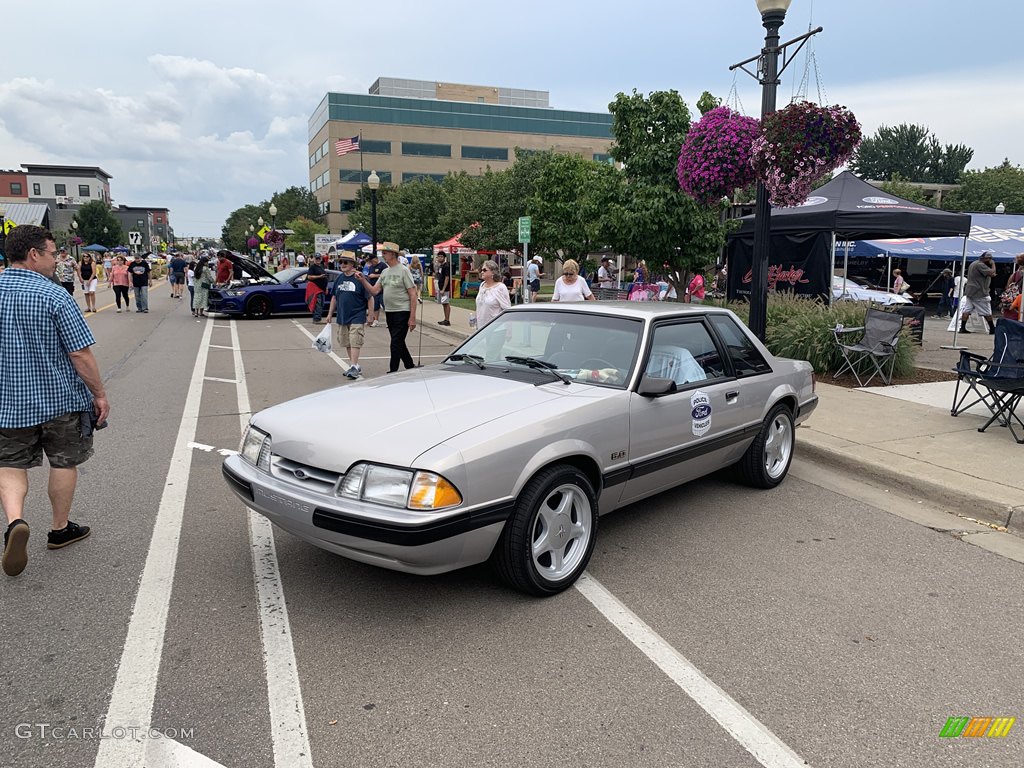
(640, 310)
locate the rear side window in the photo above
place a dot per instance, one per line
(685, 353)
(746, 359)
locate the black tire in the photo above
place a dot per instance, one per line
(767, 460)
(575, 506)
(258, 307)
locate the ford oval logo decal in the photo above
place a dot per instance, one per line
(300, 474)
(702, 411)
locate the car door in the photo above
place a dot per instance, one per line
(698, 428)
(291, 296)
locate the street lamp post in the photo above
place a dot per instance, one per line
(773, 14)
(273, 228)
(74, 230)
(3, 235)
(373, 182)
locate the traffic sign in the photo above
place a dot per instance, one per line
(524, 229)
(134, 238)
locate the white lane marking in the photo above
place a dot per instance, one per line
(288, 731)
(131, 701)
(340, 361)
(219, 346)
(333, 356)
(222, 381)
(767, 748)
(168, 753)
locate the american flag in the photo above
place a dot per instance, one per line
(344, 146)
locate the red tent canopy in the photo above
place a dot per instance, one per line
(453, 244)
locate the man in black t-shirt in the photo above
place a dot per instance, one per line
(442, 285)
(176, 269)
(141, 281)
(316, 279)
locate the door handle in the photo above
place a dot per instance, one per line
(730, 396)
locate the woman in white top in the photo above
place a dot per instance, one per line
(570, 286)
(492, 298)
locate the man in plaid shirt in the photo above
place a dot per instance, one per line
(51, 391)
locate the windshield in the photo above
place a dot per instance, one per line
(595, 349)
(287, 275)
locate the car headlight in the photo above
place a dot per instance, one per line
(234, 293)
(256, 447)
(405, 488)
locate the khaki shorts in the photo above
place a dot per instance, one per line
(60, 438)
(982, 306)
(351, 335)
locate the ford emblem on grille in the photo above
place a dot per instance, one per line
(300, 474)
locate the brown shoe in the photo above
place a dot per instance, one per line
(15, 548)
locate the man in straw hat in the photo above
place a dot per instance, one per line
(399, 291)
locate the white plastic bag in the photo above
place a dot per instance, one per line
(323, 341)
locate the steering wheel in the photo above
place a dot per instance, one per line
(600, 363)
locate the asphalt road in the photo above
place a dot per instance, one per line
(811, 619)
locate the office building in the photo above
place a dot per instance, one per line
(411, 129)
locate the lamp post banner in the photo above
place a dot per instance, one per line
(798, 263)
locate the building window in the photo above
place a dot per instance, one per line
(426, 150)
(83, 190)
(325, 207)
(354, 177)
(369, 147)
(484, 153)
(36, 190)
(323, 149)
(438, 177)
(347, 205)
(312, 160)
(60, 190)
(15, 188)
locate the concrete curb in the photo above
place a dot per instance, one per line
(986, 502)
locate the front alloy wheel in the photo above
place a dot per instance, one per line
(258, 307)
(548, 541)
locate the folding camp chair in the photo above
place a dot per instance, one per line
(877, 346)
(998, 381)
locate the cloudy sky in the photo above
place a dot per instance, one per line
(202, 106)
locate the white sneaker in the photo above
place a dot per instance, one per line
(119, 310)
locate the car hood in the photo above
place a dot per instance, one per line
(396, 418)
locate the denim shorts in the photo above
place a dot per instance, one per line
(60, 439)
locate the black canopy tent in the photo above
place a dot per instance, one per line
(803, 237)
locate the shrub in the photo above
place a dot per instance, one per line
(801, 328)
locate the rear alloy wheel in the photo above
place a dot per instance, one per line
(258, 307)
(548, 540)
(767, 460)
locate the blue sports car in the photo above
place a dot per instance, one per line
(255, 292)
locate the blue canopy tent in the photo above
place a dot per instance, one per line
(1003, 234)
(95, 247)
(352, 241)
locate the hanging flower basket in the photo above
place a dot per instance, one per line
(252, 242)
(799, 144)
(274, 237)
(714, 160)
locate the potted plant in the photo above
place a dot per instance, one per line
(714, 159)
(798, 145)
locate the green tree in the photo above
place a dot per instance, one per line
(305, 231)
(984, 190)
(235, 231)
(912, 152)
(707, 102)
(92, 218)
(361, 216)
(902, 188)
(653, 219)
(293, 202)
(569, 204)
(408, 215)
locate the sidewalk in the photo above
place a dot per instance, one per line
(899, 435)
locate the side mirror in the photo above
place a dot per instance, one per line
(651, 386)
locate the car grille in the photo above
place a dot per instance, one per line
(304, 476)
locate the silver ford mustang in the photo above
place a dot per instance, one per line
(511, 448)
